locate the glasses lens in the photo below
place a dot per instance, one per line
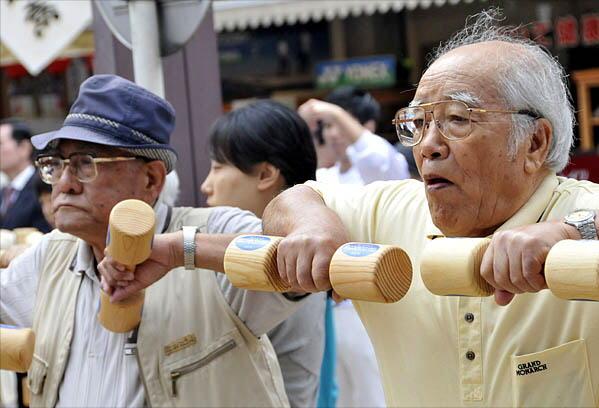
(453, 119)
(84, 167)
(50, 169)
(409, 123)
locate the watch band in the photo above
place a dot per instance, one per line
(189, 246)
(586, 227)
(588, 230)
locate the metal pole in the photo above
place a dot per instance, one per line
(145, 45)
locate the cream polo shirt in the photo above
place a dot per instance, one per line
(460, 351)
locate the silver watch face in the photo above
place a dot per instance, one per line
(579, 216)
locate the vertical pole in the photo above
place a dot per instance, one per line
(145, 44)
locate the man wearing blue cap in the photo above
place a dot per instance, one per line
(198, 343)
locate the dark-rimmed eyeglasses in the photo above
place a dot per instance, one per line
(452, 119)
(83, 166)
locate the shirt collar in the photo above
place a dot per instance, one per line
(84, 261)
(529, 213)
(18, 183)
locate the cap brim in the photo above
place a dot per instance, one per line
(158, 152)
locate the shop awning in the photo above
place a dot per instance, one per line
(232, 15)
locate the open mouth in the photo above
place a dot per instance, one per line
(436, 183)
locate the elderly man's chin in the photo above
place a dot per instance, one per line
(453, 218)
(71, 220)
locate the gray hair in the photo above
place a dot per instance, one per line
(532, 80)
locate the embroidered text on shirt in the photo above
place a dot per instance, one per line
(530, 368)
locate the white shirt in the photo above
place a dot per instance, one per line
(372, 158)
(19, 182)
(98, 373)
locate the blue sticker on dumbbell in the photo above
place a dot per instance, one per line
(359, 249)
(251, 242)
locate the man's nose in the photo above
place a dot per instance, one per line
(433, 145)
(68, 182)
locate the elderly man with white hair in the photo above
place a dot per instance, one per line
(491, 125)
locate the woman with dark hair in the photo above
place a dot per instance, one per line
(258, 151)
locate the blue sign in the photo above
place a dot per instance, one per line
(251, 242)
(359, 250)
(369, 72)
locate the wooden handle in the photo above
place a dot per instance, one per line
(371, 272)
(376, 273)
(572, 270)
(21, 234)
(130, 235)
(16, 348)
(251, 263)
(7, 238)
(451, 266)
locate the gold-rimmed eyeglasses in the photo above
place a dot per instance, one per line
(83, 166)
(452, 119)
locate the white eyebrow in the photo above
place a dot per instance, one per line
(466, 97)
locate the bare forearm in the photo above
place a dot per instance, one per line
(209, 253)
(301, 209)
(348, 125)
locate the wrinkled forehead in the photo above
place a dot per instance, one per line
(468, 73)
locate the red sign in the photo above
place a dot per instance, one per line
(590, 29)
(540, 31)
(583, 167)
(566, 32)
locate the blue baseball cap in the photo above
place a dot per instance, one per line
(113, 111)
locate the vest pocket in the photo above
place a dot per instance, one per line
(190, 365)
(37, 375)
(559, 376)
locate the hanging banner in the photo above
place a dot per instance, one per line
(36, 31)
(368, 72)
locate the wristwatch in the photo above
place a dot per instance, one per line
(584, 222)
(189, 247)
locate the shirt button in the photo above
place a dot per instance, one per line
(469, 317)
(470, 355)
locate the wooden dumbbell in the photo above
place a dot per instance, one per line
(359, 271)
(16, 348)
(27, 235)
(130, 235)
(572, 270)
(7, 238)
(451, 266)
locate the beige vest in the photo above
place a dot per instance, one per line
(192, 349)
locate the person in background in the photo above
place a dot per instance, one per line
(170, 193)
(356, 155)
(19, 206)
(350, 153)
(44, 196)
(3, 180)
(408, 153)
(258, 151)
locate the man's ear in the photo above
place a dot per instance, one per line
(269, 177)
(27, 147)
(538, 144)
(155, 178)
